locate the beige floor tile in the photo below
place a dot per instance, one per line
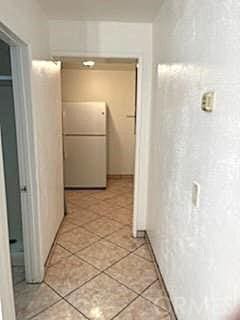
(112, 203)
(144, 252)
(18, 273)
(103, 227)
(77, 194)
(92, 201)
(60, 311)
(102, 298)
(156, 295)
(124, 239)
(102, 208)
(69, 274)
(142, 309)
(81, 218)
(103, 195)
(122, 218)
(32, 299)
(116, 211)
(78, 205)
(97, 295)
(134, 272)
(66, 226)
(58, 253)
(77, 239)
(128, 206)
(102, 254)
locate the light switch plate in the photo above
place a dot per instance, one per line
(208, 101)
(196, 194)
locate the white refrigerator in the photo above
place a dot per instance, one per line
(85, 144)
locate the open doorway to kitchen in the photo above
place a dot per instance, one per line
(99, 98)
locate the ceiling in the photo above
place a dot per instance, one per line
(101, 63)
(104, 10)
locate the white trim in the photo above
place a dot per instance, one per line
(6, 286)
(27, 163)
(140, 180)
(21, 74)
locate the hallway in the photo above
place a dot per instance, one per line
(96, 269)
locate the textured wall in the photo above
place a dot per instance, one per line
(48, 123)
(26, 19)
(196, 49)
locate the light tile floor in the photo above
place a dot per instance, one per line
(97, 270)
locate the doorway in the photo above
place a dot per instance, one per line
(113, 82)
(10, 159)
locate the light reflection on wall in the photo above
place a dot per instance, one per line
(43, 65)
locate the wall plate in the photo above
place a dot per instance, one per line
(208, 101)
(196, 190)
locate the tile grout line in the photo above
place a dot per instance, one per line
(75, 226)
(141, 295)
(100, 273)
(83, 314)
(103, 238)
(50, 306)
(128, 305)
(63, 299)
(108, 235)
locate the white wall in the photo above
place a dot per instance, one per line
(27, 21)
(197, 47)
(117, 89)
(113, 39)
(48, 122)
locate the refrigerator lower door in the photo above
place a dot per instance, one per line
(85, 162)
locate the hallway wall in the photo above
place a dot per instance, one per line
(114, 39)
(117, 89)
(48, 119)
(196, 49)
(26, 19)
(28, 22)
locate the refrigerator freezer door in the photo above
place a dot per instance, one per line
(87, 118)
(85, 162)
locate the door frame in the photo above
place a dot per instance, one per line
(139, 179)
(21, 82)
